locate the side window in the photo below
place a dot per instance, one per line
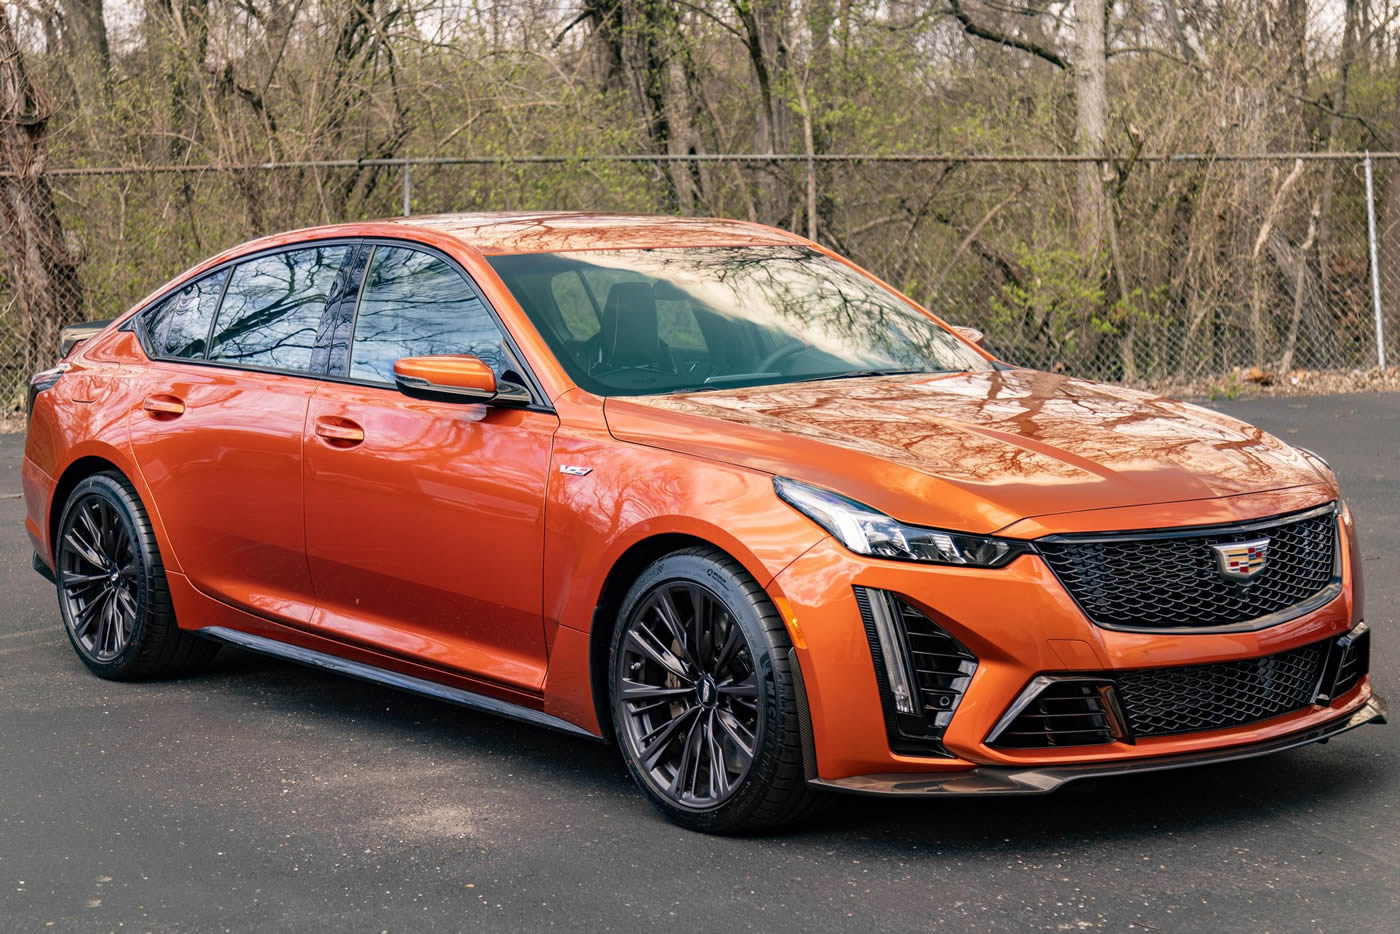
(179, 325)
(272, 308)
(574, 305)
(414, 304)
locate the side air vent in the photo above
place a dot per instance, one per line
(1351, 658)
(1070, 712)
(921, 669)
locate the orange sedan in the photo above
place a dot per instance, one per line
(698, 487)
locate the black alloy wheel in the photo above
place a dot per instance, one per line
(112, 591)
(688, 694)
(101, 577)
(704, 701)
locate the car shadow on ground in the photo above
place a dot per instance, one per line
(1208, 799)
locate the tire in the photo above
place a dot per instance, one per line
(112, 591)
(685, 697)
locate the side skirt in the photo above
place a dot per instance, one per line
(44, 570)
(394, 679)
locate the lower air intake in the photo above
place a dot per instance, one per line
(1066, 713)
(1085, 710)
(922, 671)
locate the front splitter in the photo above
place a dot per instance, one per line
(1002, 780)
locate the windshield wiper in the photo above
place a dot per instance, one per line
(862, 374)
(714, 383)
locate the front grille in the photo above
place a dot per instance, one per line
(1078, 710)
(1165, 701)
(1173, 581)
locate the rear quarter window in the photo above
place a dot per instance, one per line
(178, 325)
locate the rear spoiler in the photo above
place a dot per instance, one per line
(75, 334)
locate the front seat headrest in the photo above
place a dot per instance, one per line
(630, 327)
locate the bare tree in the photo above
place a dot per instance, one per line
(41, 269)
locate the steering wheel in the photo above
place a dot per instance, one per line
(782, 353)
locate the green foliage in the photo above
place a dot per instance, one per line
(994, 245)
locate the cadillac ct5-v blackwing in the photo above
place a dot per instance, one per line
(699, 487)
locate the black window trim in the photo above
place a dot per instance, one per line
(364, 253)
(539, 402)
(136, 323)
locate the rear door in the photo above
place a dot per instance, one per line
(218, 437)
(425, 519)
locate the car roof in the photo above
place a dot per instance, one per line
(560, 231)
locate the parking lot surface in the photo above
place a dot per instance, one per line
(265, 796)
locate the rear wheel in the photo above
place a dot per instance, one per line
(703, 698)
(112, 591)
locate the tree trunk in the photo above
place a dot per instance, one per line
(41, 274)
(1325, 245)
(1389, 236)
(763, 22)
(88, 21)
(1091, 112)
(644, 44)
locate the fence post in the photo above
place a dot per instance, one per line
(408, 189)
(1375, 266)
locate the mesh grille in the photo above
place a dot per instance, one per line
(1171, 583)
(1163, 701)
(1083, 710)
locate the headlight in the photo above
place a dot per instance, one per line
(867, 531)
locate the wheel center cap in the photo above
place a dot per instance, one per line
(706, 691)
(114, 577)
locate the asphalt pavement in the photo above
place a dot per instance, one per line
(264, 796)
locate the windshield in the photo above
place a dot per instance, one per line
(635, 322)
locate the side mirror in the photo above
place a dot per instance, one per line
(971, 335)
(460, 377)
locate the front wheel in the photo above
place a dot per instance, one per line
(703, 698)
(112, 590)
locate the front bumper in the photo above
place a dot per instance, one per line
(1000, 780)
(1019, 622)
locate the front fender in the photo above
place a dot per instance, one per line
(633, 493)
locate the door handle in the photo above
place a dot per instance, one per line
(339, 432)
(164, 405)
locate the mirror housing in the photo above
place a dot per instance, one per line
(456, 377)
(971, 335)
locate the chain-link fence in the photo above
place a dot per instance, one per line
(1188, 267)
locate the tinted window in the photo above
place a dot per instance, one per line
(179, 325)
(416, 305)
(575, 306)
(680, 320)
(272, 309)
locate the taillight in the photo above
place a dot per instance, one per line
(44, 379)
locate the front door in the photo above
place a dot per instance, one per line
(425, 519)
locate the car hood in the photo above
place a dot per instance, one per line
(972, 451)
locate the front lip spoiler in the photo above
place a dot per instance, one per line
(1002, 780)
